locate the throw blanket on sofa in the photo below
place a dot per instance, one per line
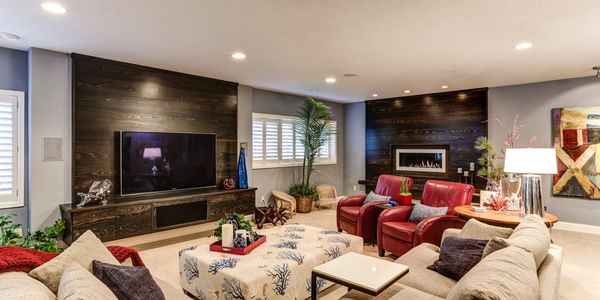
(17, 259)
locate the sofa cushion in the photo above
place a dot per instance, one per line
(421, 212)
(83, 251)
(372, 197)
(78, 283)
(458, 256)
(531, 235)
(127, 282)
(509, 273)
(350, 212)
(475, 229)
(399, 230)
(20, 286)
(395, 292)
(419, 277)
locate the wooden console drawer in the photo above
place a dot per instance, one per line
(93, 216)
(134, 210)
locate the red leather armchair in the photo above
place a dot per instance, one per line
(396, 235)
(356, 218)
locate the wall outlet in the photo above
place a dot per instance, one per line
(262, 201)
(354, 188)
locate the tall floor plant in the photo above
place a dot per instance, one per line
(313, 129)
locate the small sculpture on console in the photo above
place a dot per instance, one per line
(98, 193)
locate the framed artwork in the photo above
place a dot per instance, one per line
(576, 137)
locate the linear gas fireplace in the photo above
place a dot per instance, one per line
(420, 159)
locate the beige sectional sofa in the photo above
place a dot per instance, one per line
(525, 266)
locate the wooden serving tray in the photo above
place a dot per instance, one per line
(217, 247)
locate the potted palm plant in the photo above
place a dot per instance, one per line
(313, 128)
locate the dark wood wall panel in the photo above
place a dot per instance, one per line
(453, 118)
(110, 96)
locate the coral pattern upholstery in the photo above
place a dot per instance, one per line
(355, 217)
(396, 235)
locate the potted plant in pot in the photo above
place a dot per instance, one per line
(405, 194)
(312, 128)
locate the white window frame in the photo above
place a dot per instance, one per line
(16, 199)
(285, 163)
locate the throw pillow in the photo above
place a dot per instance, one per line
(20, 286)
(531, 235)
(83, 251)
(509, 273)
(458, 256)
(133, 283)
(372, 197)
(478, 230)
(79, 284)
(421, 212)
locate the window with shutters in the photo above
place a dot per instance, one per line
(12, 156)
(275, 144)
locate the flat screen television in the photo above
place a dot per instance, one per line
(165, 161)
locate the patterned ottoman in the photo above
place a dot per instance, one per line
(278, 269)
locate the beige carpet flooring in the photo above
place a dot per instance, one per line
(579, 280)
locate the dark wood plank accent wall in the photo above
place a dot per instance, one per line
(110, 96)
(453, 118)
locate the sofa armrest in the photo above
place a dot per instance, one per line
(431, 229)
(450, 232)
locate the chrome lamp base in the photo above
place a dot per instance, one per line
(531, 195)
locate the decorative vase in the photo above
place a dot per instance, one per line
(229, 184)
(405, 200)
(484, 197)
(240, 240)
(242, 173)
(231, 220)
(510, 188)
(303, 204)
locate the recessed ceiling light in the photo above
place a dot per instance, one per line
(330, 79)
(9, 36)
(406, 91)
(238, 55)
(53, 7)
(444, 86)
(375, 95)
(523, 46)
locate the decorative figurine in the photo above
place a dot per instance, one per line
(98, 193)
(229, 184)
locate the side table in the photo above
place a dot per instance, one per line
(499, 218)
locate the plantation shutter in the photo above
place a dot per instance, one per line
(287, 140)
(257, 139)
(271, 140)
(10, 137)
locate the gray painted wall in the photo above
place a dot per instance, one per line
(533, 102)
(50, 116)
(267, 180)
(13, 76)
(354, 146)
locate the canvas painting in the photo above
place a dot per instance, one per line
(576, 134)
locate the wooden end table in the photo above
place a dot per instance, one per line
(360, 272)
(499, 218)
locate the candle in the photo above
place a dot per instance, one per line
(466, 173)
(227, 235)
(459, 170)
(472, 166)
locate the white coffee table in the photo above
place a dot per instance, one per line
(360, 272)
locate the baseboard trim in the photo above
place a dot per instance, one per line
(583, 228)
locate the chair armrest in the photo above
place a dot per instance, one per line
(431, 229)
(355, 200)
(392, 214)
(366, 218)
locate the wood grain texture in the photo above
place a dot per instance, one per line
(110, 96)
(453, 118)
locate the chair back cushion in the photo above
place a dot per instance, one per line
(447, 194)
(389, 185)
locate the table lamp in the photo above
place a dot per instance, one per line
(531, 163)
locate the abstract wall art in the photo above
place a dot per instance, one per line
(576, 138)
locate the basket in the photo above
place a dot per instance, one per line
(304, 204)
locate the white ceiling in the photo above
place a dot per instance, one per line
(292, 45)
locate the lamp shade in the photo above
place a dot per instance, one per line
(530, 161)
(152, 153)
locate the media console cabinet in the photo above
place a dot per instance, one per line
(126, 217)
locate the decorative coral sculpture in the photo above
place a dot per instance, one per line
(498, 202)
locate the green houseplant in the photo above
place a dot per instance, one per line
(44, 240)
(405, 194)
(312, 128)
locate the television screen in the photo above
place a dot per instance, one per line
(162, 161)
